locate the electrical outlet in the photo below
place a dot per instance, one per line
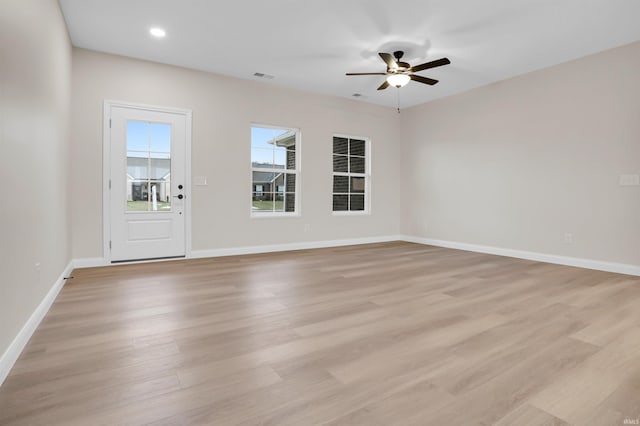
(629, 180)
(568, 237)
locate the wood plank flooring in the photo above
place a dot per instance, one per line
(380, 334)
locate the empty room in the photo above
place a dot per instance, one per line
(320, 213)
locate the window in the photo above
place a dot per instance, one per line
(350, 174)
(148, 166)
(274, 171)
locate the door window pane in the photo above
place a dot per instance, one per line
(137, 136)
(160, 168)
(148, 177)
(137, 196)
(159, 137)
(137, 166)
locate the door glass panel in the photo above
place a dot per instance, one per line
(160, 168)
(160, 137)
(137, 196)
(137, 136)
(137, 166)
(148, 177)
(159, 196)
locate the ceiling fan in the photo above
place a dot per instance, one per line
(400, 73)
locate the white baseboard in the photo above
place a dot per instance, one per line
(90, 262)
(16, 347)
(292, 246)
(598, 265)
(619, 268)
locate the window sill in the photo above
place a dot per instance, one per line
(273, 215)
(353, 213)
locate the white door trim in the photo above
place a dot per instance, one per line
(106, 170)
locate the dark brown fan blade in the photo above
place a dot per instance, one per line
(366, 73)
(391, 63)
(432, 64)
(421, 79)
(383, 85)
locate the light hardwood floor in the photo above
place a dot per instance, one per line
(380, 334)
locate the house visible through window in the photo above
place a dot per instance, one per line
(148, 166)
(350, 174)
(274, 170)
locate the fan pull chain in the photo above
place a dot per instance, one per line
(398, 104)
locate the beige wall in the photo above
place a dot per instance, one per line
(519, 163)
(223, 110)
(515, 165)
(35, 73)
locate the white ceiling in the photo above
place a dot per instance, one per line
(309, 45)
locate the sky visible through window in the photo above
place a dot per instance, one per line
(148, 137)
(264, 152)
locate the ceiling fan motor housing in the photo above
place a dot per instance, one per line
(400, 73)
(401, 66)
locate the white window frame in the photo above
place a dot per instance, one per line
(366, 175)
(266, 214)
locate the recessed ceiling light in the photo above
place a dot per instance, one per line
(157, 32)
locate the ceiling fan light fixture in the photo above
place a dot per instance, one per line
(398, 80)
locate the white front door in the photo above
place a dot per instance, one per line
(147, 196)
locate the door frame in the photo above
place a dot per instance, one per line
(106, 170)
